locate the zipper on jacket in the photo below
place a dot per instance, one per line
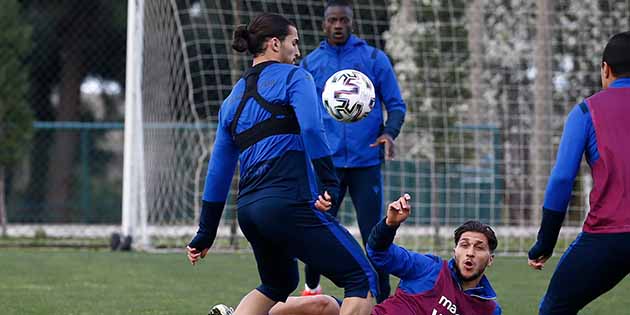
(344, 141)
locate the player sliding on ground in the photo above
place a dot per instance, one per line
(428, 284)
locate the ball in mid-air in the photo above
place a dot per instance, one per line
(348, 95)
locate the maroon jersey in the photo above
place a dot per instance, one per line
(610, 196)
(445, 298)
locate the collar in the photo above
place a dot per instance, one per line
(483, 290)
(620, 83)
(352, 41)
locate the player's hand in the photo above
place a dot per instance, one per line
(398, 211)
(539, 263)
(194, 255)
(388, 141)
(323, 203)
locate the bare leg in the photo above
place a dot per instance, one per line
(357, 306)
(254, 303)
(307, 305)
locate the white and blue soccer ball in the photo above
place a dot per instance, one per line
(348, 95)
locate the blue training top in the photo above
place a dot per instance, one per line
(278, 84)
(350, 142)
(578, 138)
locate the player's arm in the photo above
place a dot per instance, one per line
(218, 179)
(388, 91)
(394, 259)
(303, 98)
(560, 184)
(390, 257)
(497, 309)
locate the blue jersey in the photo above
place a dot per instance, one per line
(276, 165)
(350, 142)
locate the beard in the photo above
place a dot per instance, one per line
(472, 277)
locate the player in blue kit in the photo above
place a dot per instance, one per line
(360, 147)
(269, 124)
(597, 127)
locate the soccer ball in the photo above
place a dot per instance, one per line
(348, 95)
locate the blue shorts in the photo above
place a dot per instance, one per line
(591, 266)
(282, 230)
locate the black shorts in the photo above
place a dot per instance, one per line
(591, 266)
(281, 231)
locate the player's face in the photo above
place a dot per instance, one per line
(472, 256)
(338, 24)
(289, 47)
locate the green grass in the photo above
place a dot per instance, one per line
(66, 281)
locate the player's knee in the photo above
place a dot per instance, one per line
(319, 304)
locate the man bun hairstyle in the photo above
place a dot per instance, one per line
(476, 226)
(240, 42)
(252, 37)
(617, 54)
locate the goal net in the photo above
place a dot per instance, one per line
(487, 83)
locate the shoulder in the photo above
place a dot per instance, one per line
(380, 57)
(291, 72)
(313, 56)
(434, 259)
(296, 73)
(429, 262)
(580, 113)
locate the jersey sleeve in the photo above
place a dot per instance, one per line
(570, 151)
(222, 164)
(497, 309)
(220, 171)
(558, 192)
(303, 97)
(388, 91)
(394, 259)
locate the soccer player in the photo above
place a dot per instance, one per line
(599, 128)
(428, 284)
(269, 125)
(358, 148)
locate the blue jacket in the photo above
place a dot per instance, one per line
(350, 142)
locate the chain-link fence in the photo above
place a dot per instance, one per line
(487, 83)
(68, 182)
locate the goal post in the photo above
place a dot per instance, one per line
(134, 193)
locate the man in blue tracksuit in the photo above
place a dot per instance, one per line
(268, 125)
(598, 128)
(358, 148)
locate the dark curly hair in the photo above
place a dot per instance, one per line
(476, 226)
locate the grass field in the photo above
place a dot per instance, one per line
(66, 281)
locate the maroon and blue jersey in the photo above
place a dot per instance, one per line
(597, 128)
(428, 284)
(609, 199)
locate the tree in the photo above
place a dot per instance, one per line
(72, 39)
(15, 116)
